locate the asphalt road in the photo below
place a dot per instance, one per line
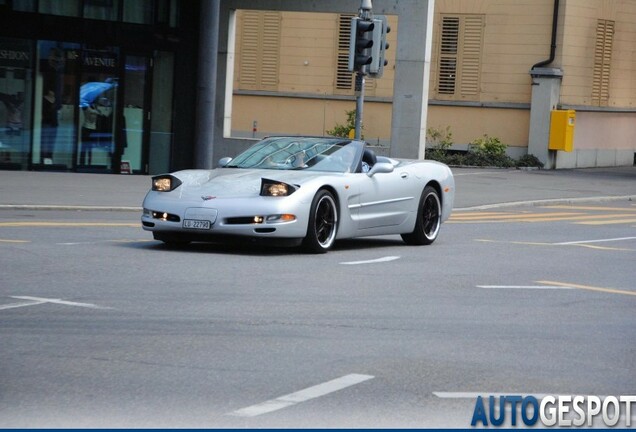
(103, 327)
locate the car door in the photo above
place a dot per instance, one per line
(386, 199)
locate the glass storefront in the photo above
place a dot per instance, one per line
(90, 85)
(16, 80)
(73, 107)
(132, 11)
(54, 105)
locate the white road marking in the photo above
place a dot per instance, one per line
(541, 287)
(595, 241)
(301, 396)
(373, 261)
(41, 300)
(17, 305)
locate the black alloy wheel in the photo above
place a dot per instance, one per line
(323, 223)
(429, 219)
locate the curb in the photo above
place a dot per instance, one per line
(556, 201)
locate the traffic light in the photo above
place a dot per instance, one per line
(379, 46)
(360, 43)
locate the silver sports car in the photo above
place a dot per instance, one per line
(307, 190)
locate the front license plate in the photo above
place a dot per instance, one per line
(197, 224)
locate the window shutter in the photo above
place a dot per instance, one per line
(248, 65)
(270, 50)
(260, 52)
(602, 62)
(448, 56)
(471, 55)
(461, 43)
(344, 78)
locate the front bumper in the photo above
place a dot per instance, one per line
(249, 217)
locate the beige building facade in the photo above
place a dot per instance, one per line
(290, 75)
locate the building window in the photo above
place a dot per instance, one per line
(167, 12)
(101, 9)
(63, 8)
(24, 5)
(602, 62)
(137, 11)
(260, 50)
(460, 48)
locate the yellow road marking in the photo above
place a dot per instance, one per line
(67, 224)
(609, 222)
(589, 288)
(480, 214)
(14, 241)
(493, 216)
(620, 209)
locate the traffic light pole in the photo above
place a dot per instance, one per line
(365, 14)
(359, 90)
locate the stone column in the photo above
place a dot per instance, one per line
(546, 91)
(206, 84)
(411, 84)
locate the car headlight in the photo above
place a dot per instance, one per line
(275, 188)
(165, 183)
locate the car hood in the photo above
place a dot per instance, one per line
(237, 182)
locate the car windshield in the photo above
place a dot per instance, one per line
(301, 153)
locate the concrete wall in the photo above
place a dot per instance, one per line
(601, 139)
(469, 123)
(304, 116)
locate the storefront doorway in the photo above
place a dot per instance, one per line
(97, 149)
(135, 114)
(92, 110)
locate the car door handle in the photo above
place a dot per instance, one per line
(404, 175)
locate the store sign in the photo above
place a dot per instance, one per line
(99, 60)
(15, 55)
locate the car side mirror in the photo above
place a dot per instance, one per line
(380, 167)
(224, 161)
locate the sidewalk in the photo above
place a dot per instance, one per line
(475, 188)
(486, 188)
(44, 190)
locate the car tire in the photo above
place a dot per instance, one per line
(171, 240)
(323, 223)
(429, 219)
